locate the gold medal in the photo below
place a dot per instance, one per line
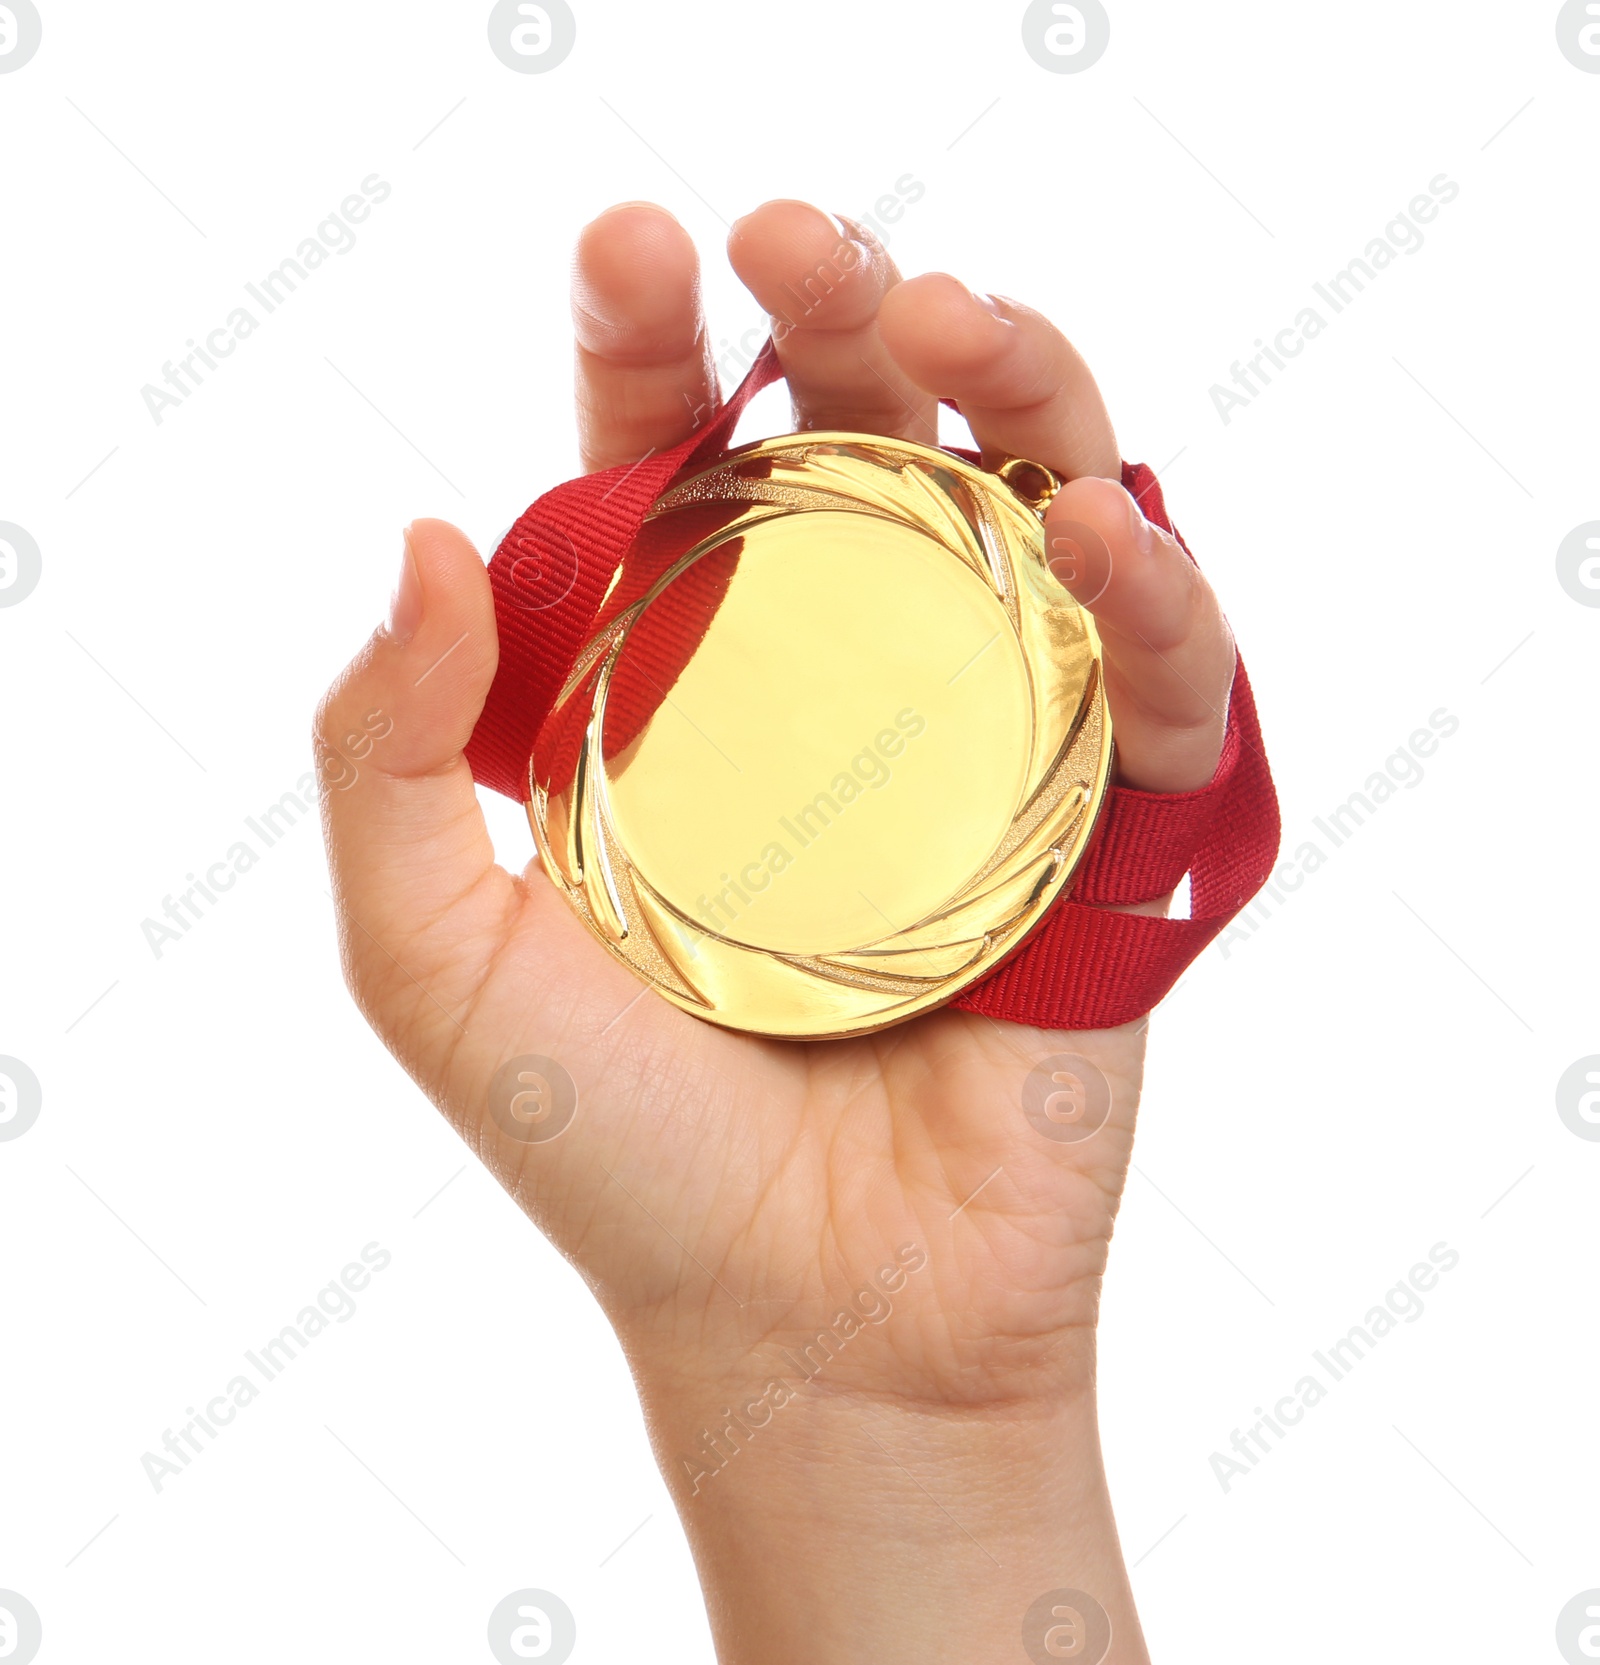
(838, 741)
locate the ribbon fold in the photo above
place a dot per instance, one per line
(1086, 966)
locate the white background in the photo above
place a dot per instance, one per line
(1370, 1073)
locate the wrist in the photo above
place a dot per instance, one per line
(831, 1527)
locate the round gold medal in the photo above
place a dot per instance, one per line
(838, 741)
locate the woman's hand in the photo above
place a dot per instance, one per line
(728, 1198)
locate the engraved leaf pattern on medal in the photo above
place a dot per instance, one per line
(912, 960)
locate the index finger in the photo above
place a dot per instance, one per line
(645, 377)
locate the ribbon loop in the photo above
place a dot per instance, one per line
(1086, 966)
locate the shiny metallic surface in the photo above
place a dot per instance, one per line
(838, 741)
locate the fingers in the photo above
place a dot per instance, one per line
(821, 281)
(1169, 654)
(406, 839)
(1021, 385)
(1025, 392)
(864, 351)
(644, 371)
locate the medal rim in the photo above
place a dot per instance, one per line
(1078, 839)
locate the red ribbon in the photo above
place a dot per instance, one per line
(1086, 966)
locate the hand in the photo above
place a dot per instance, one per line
(727, 1196)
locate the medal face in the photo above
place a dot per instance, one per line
(838, 740)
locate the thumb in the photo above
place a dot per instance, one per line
(406, 839)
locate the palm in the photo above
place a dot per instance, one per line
(727, 1196)
(739, 1190)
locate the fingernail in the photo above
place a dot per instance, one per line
(405, 605)
(988, 303)
(1143, 533)
(637, 202)
(840, 231)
